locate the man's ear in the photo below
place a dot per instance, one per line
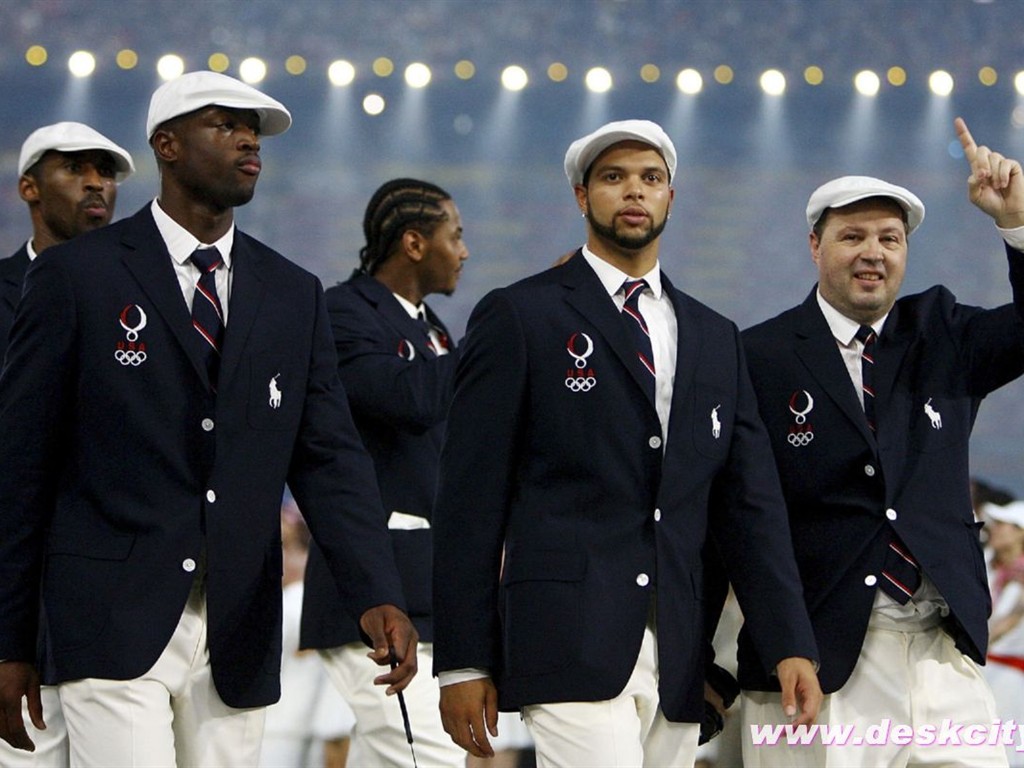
(581, 198)
(413, 245)
(28, 188)
(165, 145)
(815, 244)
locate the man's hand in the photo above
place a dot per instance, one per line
(469, 711)
(714, 698)
(18, 679)
(389, 628)
(995, 184)
(801, 693)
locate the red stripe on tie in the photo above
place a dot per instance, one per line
(639, 320)
(898, 584)
(905, 555)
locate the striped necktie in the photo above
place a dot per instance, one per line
(430, 331)
(632, 289)
(207, 316)
(901, 574)
(867, 337)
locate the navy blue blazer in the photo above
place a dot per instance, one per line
(12, 275)
(122, 470)
(399, 392)
(935, 361)
(562, 519)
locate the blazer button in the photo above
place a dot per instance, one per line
(657, 515)
(869, 470)
(891, 514)
(643, 579)
(188, 565)
(870, 580)
(211, 496)
(654, 442)
(207, 425)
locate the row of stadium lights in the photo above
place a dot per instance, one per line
(514, 78)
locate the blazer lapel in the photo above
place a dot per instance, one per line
(247, 291)
(588, 297)
(394, 314)
(893, 344)
(816, 347)
(147, 258)
(688, 346)
(13, 277)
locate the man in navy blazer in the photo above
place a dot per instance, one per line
(580, 475)
(397, 362)
(869, 402)
(146, 452)
(68, 178)
(67, 175)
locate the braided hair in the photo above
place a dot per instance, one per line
(396, 207)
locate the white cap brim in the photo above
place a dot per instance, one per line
(195, 90)
(584, 151)
(847, 190)
(72, 137)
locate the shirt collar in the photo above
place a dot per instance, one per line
(413, 310)
(181, 243)
(843, 328)
(30, 250)
(612, 277)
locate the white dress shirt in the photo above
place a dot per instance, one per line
(419, 312)
(660, 315)
(181, 243)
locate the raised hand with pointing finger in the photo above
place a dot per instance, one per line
(995, 184)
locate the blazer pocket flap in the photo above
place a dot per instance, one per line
(545, 565)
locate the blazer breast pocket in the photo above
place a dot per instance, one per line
(276, 393)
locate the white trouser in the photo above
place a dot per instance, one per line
(51, 744)
(171, 717)
(629, 730)
(902, 679)
(378, 738)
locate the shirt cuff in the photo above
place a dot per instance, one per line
(1014, 237)
(453, 676)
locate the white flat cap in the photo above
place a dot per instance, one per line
(72, 137)
(583, 152)
(1007, 513)
(195, 90)
(849, 189)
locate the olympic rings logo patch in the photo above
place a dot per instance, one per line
(131, 351)
(580, 378)
(130, 356)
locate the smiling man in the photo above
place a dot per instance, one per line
(602, 422)
(166, 376)
(869, 402)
